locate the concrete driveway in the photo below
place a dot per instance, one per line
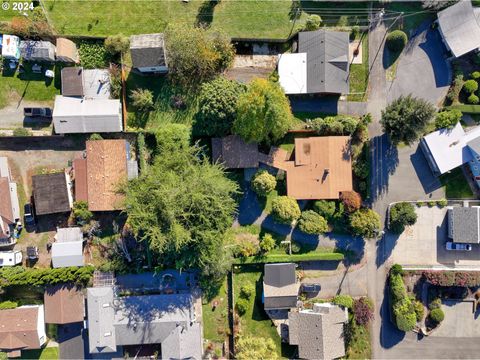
(422, 69)
(459, 322)
(423, 244)
(400, 174)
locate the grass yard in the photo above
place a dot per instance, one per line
(45, 353)
(456, 186)
(359, 75)
(358, 346)
(272, 19)
(163, 112)
(215, 322)
(255, 321)
(28, 86)
(414, 14)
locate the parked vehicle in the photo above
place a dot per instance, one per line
(10, 258)
(37, 112)
(311, 288)
(458, 246)
(32, 252)
(29, 214)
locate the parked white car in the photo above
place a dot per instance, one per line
(457, 246)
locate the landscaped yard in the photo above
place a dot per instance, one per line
(255, 321)
(27, 86)
(215, 321)
(456, 186)
(359, 74)
(48, 353)
(358, 346)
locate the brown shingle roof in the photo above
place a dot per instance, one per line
(322, 168)
(63, 304)
(235, 153)
(18, 328)
(80, 169)
(106, 169)
(72, 81)
(50, 192)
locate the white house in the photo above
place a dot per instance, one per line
(76, 115)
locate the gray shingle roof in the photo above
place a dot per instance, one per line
(50, 192)
(459, 25)
(37, 50)
(327, 60)
(465, 222)
(151, 319)
(147, 50)
(280, 287)
(318, 332)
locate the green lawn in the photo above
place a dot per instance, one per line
(215, 322)
(456, 186)
(255, 321)
(359, 346)
(163, 111)
(359, 75)
(29, 86)
(414, 14)
(45, 353)
(240, 18)
(278, 258)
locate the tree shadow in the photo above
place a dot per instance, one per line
(389, 57)
(384, 163)
(389, 334)
(205, 13)
(385, 247)
(249, 209)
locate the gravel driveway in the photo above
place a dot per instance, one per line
(11, 116)
(422, 68)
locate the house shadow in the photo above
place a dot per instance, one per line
(384, 159)
(385, 247)
(429, 182)
(435, 49)
(389, 334)
(326, 104)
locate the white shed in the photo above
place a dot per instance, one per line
(65, 254)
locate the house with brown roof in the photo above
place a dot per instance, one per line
(64, 304)
(22, 328)
(52, 193)
(319, 168)
(280, 286)
(9, 206)
(318, 332)
(100, 174)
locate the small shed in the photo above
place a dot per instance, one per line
(65, 254)
(51, 193)
(67, 51)
(72, 81)
(148, 53)
(37, 51)
(11, 47)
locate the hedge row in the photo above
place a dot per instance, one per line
(469, 109)
(39, 277)
(453, 278)
(402, 307)
(278, 258)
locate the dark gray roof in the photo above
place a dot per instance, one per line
(37, 50)
(280, 302)
(72, 81)
(318, 332)
(50, 193)
(327, 60)
(465, 222)
(279, 275)
(475, 145)
(459, 25)
(151, 319)
(147, 50)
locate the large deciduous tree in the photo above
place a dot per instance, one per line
(182, 206)
(405, 118)
(217, 107)
(196, 54)
(263, 113)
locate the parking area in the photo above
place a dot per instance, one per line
(460, 321)
(423, 244)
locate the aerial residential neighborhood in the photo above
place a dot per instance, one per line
(229, 179)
